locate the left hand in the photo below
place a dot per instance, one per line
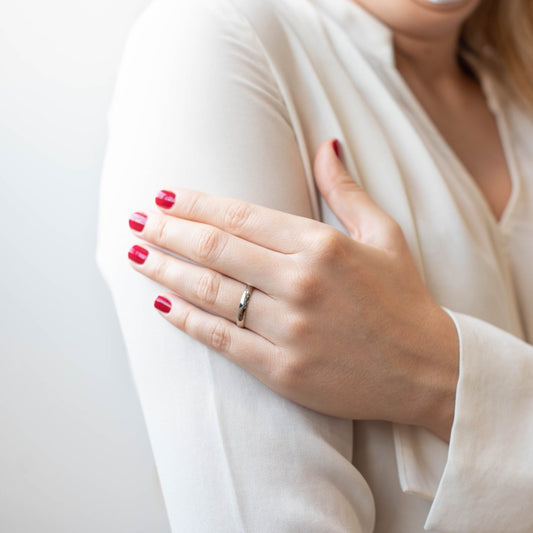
(343, 326)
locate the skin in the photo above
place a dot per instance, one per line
(425, 41)
(342, 325)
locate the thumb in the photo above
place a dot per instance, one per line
(359, 214)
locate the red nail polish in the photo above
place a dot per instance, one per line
(137, 221)
(138, 254)
(165, 199)
(336, 147)
(163, 304)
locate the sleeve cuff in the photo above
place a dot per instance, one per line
(487, 483)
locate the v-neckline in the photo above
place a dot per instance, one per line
(504, 136)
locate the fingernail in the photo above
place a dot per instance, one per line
(165, 199)
(138, 254)
(163, 304)
(137, 221)
(336, 147)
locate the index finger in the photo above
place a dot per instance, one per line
(270, 228)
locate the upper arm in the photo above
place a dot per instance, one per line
(195, 105)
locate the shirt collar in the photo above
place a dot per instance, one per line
(369, 33)
(376, 39)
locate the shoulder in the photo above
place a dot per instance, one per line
(174, 42)
(205, 21)
(207, 41)
(200, 51)
(195, 38)
(167, 16)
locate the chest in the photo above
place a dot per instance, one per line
(475, 138)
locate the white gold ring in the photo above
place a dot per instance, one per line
(243, 305)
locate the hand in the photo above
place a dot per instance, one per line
(341, 325)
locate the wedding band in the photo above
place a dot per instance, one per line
(243, 305)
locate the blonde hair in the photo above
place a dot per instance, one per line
(500, 34)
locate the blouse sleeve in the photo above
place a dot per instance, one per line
(196, 105)
(487, 484)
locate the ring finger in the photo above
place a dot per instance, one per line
(206, 288)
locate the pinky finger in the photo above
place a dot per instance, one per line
(242, 346)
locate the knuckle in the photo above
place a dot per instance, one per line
(395, 230)
(208, 287)
(220, 338)
(192, 206)
(161, 269)
(296, 327)
(237, 215)
(210, 244)
(394, 236)
(303, 284)
(161, 230)
(330, 245)
(183, 321)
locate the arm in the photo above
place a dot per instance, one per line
(481, 378)
(196, 105)
(474, 374)
(487, 484)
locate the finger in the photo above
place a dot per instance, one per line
(360, 215)
(267, 227)
(212, 247)
(250, 351)
(207, 289)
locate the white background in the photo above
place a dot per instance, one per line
(74, 453)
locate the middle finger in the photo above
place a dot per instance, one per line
(212, 247)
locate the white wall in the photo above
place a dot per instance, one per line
(74, 454)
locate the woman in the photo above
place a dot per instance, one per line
(408, 304)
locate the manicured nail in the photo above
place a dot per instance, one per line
(336, 147)
(163, 304)
(137, 221)
(138, 254)
(165, 199)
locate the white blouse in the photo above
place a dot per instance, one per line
(234, 97)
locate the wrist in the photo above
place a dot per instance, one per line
(442, 387)
(436, 372)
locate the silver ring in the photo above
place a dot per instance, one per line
(243, 305)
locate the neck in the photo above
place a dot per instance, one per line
(431, 60)
(425, 35)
